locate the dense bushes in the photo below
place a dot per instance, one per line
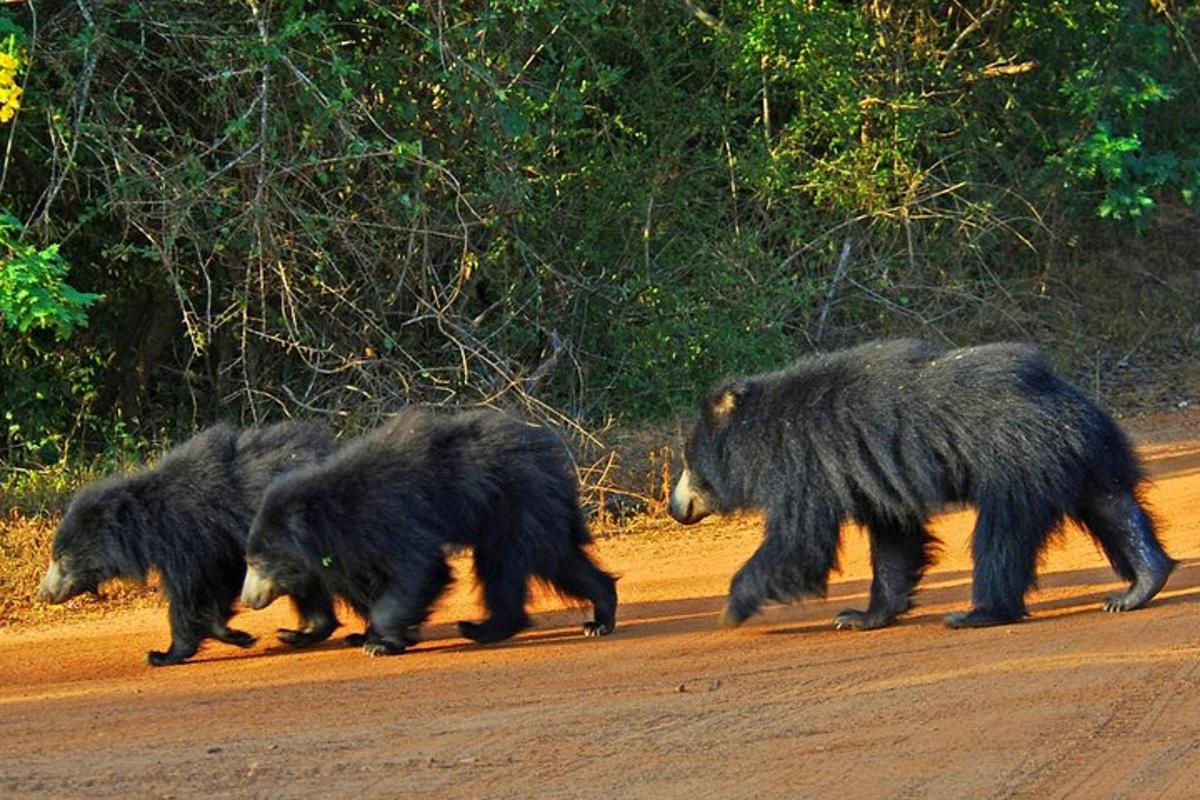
(587, 208)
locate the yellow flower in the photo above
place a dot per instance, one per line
(10, 102)
(10, 93)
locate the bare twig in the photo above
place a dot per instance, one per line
(558, 346)
(705, 17)
(973, 26)
(838, 275)
(42, 207)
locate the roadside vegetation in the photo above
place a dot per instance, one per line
(583, 210)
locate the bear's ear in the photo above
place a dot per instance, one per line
(723, 401)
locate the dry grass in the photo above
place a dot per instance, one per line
(24, 553)
(637, 483)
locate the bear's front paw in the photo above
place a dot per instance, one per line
(382, 647)
(732, 618)
(160, 658)
(850, 620)
(303, 638)
(853, 620)
(237, 638)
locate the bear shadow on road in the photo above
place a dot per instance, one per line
(699, 614)
(1182, 588)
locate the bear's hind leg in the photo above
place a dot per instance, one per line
(1009, 534)
(577, 576)
(899, 556)
(1126, 533)
(505, 587)
(317, 618)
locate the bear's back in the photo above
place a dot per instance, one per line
(263, 454)
(900, 372)
(193, 474)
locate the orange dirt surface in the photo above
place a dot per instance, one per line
(1072, 703)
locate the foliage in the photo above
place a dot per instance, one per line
(1117, 139)
(582, 208)
(33, 291)
(34, 296)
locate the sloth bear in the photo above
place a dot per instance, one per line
(188, 516)
(886, 434)
(371, 524)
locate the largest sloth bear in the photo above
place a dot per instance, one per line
(188, 517)
(886, 434)
(372, 523)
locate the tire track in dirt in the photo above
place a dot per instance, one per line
(1140, 717)
(1067, 763)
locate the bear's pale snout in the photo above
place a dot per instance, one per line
(258, 591)
(688, 505)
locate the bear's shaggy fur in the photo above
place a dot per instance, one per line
(188, 517)
(886, 434)
(372, 523)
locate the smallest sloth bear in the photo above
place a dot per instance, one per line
(372, 524)
(886, 434)
(188, 517)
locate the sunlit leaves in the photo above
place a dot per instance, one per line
(34, 293)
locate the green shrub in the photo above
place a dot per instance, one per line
(587, 209)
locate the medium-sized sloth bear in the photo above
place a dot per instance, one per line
(372, 523)
(886, 434)
(188, 517)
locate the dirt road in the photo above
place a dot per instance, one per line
(1072, 703)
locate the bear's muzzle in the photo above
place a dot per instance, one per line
(258, 591)
(688, 505)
